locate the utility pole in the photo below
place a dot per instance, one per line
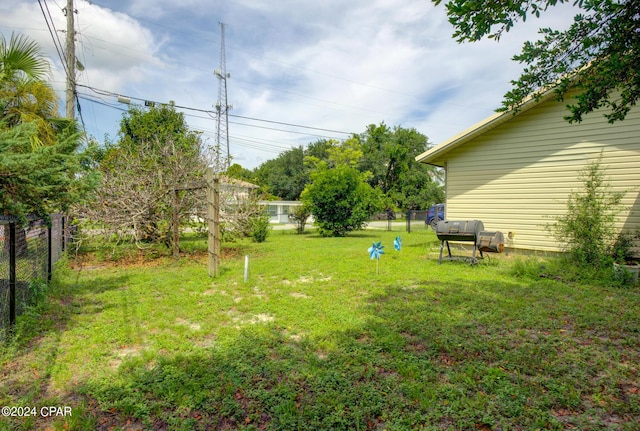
(70, 59)
(222, 106)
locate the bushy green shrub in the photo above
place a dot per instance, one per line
(259, 227)
(622, 248)
(300, 215)
(341, 200)
(587, 228)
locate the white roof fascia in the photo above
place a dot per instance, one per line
(478, 129)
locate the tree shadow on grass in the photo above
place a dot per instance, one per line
(25, 379)
(350, 235)
(436, 355)
(64, 300)
(464, 355)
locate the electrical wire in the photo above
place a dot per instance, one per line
(53, 33)
(290, 124)
(83, 71)
(211, 113)
(236, 140)
(269, 59)
(58, 46)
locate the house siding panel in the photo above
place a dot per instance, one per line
(517, 176)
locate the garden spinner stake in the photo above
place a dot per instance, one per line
(375, 251)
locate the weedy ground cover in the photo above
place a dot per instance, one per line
(316, 339)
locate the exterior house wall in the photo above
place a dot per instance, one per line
(518, 175)
(279, 210)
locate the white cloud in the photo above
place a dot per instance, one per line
(333, 64)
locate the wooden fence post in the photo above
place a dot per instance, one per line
(213, 219)
(175, 221)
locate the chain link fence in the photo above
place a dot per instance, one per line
(27, 256)
(412, 220)
(416, 219)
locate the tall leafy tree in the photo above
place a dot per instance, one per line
(285, 176)
(238, 172)
(384, 156)
(389, 157)
(158, 123)
(319, 149)
(599, 54)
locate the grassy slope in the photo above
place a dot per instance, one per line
(317, 340)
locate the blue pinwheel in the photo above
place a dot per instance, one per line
(375, 251)
(397, 244)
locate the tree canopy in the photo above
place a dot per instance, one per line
(340, 200)
(37, 180)
(385, 156)
(25, 95)
(599, 54)
(285, 176)
(39, 152)
(144, 175)
(389, 156)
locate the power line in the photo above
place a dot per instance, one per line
(236, 140)
(200, 37)
(290, 124)
(58, 46)
(282, 130)
(210, 112)
(54, 35)
(100, 102)
(83, 71)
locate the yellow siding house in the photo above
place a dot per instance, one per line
(515, 172)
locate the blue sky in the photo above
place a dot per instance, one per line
(331, 65)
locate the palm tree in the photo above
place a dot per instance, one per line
(25, 95)
(21, 58)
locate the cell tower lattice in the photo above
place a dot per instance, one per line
(222, 108)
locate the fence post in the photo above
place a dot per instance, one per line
(408, 221)
(213, 218)
(49, 251)
(12, 274)
(62, 232)
(175, 221)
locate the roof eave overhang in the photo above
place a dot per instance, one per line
(435, 156)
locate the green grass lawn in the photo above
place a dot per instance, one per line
(317, 340)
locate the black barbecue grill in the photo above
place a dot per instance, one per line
(459, 230)
(490, 242)
(468, 231)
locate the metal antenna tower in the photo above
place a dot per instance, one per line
(222, 106)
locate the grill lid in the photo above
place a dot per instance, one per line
(459, 230)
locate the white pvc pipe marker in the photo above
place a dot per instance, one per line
(246, 267)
